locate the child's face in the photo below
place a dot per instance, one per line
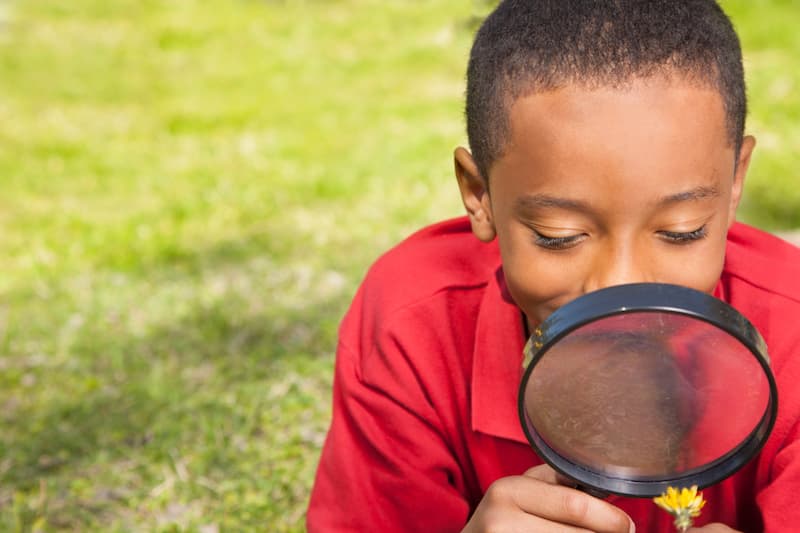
(608, 186)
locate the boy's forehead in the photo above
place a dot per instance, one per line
(579, 100)
(653, 126)
(650, 108)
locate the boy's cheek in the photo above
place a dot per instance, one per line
(700, 268)
(538, 281)
(540, 291)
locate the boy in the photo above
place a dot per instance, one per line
(607, 148)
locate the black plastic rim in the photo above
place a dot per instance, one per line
(650, 297)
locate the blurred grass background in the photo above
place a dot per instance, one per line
(190, 192)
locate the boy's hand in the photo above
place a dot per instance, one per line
(536, 501)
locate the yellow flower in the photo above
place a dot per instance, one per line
(684, 505)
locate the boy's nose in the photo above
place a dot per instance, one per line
(616, 267)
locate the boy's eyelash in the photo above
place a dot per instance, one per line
(555, 243)
(561, 243)
(684, 237)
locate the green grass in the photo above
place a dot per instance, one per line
(771, 48)
(191, 191)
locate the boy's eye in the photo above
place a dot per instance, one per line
(556, 243)
(687, 237)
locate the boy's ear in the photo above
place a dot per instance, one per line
(742, 164)
(475, 195)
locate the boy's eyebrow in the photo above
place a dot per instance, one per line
(532, 202)
(698, 193)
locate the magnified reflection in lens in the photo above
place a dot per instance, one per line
(646, 395)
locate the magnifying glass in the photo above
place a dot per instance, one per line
(634, 388)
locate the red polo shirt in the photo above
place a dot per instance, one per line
(425, 394)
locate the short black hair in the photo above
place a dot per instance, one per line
(528, 46)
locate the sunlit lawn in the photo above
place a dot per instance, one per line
(190, 192)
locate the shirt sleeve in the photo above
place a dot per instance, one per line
(778, 500)
(385, 465)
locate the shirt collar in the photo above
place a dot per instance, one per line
(497, 363)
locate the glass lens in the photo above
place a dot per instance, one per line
(646, 395)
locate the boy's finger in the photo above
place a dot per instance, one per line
(566, 505)
(547, 474)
